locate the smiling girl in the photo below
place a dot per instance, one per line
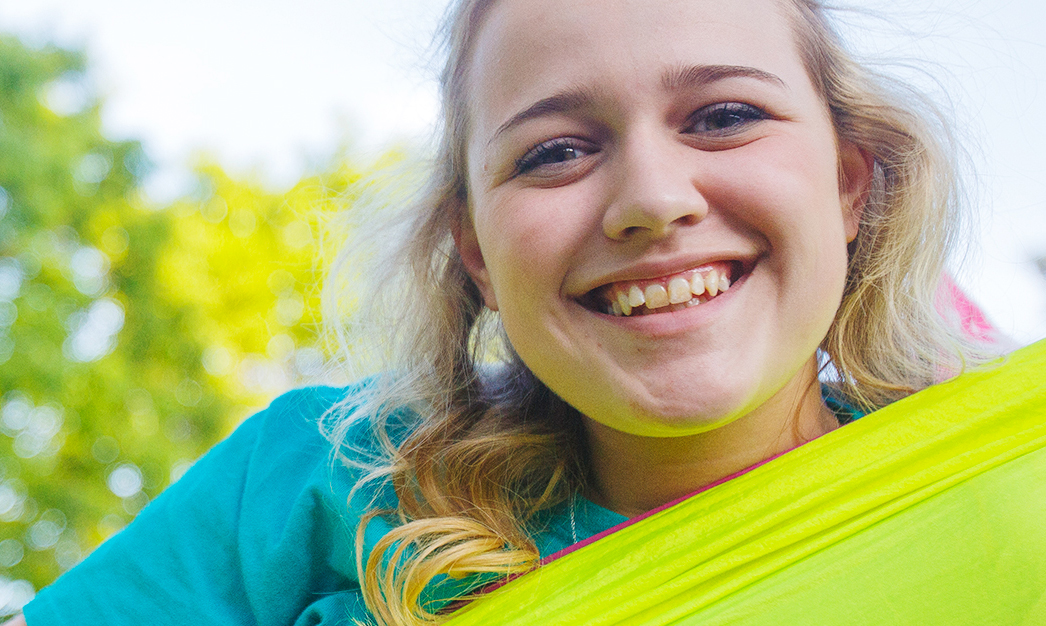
(666, 245)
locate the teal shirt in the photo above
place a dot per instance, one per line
(259, 531)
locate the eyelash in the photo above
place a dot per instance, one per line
(729, 117)
(741, 113)
(560, 146)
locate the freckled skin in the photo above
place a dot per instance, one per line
(640, 179)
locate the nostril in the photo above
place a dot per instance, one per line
(690, 219)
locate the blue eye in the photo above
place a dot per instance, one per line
(551, 153)
(725, 118)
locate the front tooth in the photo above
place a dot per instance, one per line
(678, 290)
(697, 284)
(656, 296)
(635, 297)
(615, 308)
(724, 282)
(622, 301)
(712, 283)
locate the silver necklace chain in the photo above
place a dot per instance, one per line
(573, 520)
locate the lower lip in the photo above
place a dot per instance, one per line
(672, 323)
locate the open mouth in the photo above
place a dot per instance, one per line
(666, 293)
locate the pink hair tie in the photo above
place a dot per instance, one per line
(953, 303)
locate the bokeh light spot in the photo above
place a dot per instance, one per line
(242, 223)
(90, 269)
(105, 449)
(14, 594)
(115, 240)
(188, 393)
(290, 309)
(125, 481)
(67, 554)
(217, 361)
(179, 468)
(93, 168)
(11, 553)
(11, 277)
(214, 210)
(281, 282)
(280, 347)
(297, 235)
(93, 332)
(68, 95)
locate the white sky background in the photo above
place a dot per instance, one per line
(274, 86)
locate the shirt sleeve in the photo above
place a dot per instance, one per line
(255, 533)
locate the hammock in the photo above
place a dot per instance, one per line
(931, 511)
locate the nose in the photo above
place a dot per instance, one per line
(656, 189)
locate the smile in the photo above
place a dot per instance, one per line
(666, 293)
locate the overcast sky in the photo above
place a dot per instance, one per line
(274, 85)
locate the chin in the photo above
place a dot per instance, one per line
(654, 417)
(665, 403)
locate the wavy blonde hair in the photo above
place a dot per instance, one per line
(488, 447)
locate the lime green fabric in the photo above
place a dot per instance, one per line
(929, 511)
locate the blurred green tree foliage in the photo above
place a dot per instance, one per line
(131, 338)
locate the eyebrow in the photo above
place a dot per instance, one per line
(563, 102)
(685, 77)
(691, 76)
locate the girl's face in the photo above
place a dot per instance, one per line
(618, 149)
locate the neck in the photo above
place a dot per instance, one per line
(632, 474)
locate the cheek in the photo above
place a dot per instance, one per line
(529, 237)
(514, 253)
(788, 191)
(792, 204)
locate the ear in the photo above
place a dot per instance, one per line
(856, 167)
(467, 243)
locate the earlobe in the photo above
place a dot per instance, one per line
(467, 243)
(856, 168)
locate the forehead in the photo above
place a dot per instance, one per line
(527, 49)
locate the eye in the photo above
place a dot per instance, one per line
(552, 155)
(725, 118)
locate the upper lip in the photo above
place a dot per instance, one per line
(654, 269)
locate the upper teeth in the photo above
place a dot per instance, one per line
(635, 297)
(680, 290)
(712, 283)
(656, 296)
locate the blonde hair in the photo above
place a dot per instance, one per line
(488, 447)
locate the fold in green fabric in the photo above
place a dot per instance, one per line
(929, 511)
